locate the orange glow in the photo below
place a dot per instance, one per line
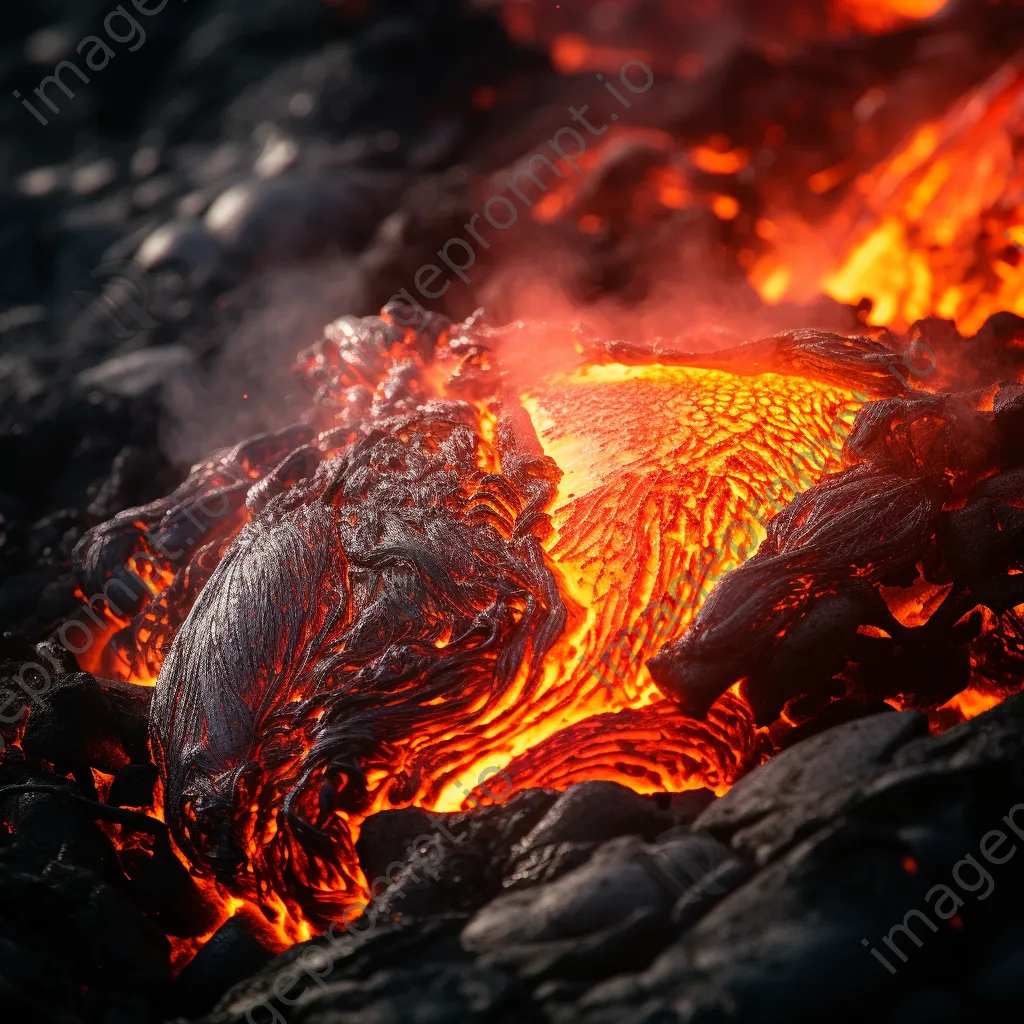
(825, 181)
(725, 207)
(650, 467)
(671, 186)
(925, 232)
(106, 659)
(877, 16)
(715, 162)
(663, 186)
(276, 935)
(571, 53)
(972, 702)
(771, 282)
(657, 464)
(639, 500)
(548, 209)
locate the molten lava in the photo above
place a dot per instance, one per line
(883, 15)
(453, 578)
(661, 464)
(649, 567)
(931, 230)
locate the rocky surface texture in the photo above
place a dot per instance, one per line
(181, 226)
(596, 904)
(599, 905)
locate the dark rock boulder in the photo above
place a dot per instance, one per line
(625, 874)
(769, 809)
(73, 947)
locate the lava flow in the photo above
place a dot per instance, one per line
(447, 579)
(453, 575)
(648, 566)
(936, 229)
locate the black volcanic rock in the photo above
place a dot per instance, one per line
(622, 876)
(82, 723)
(133, 786)
(592, 812)
(73, 946)
(385, 838)
(295, 215)
(782, 943)
(460, 866)
(800, 787)
(232, 954)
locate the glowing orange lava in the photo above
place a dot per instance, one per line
(878, 16)
(928, 231)
(658, 463)
(655, 465)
